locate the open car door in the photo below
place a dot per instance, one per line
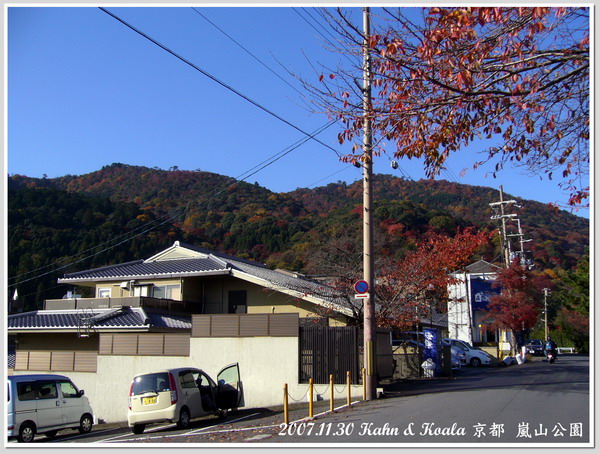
(230, 393)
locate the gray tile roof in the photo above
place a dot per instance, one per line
(210, 262)
(140, 268)
(75, 319)
(479, 267)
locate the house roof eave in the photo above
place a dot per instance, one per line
(294, 293)
(145, 276)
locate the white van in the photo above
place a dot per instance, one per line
(179, 395)
(45, 404)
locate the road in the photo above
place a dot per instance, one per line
(534, 403)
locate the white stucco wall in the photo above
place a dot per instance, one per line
(459, 310)
(266, 364)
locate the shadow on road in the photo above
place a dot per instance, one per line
(570, 373)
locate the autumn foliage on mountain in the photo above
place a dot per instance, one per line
(124, 212)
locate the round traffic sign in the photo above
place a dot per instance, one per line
(361, 287)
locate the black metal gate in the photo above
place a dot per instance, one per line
(326, 350)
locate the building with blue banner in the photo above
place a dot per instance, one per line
(467, 304)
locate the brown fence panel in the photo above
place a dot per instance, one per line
(245, 325)
(22, 360)
(62, 361)
(254, 325)
(86, 362)
(326, 350)
(177, 345)
(125, 344)
(39, 360)
(150, 344)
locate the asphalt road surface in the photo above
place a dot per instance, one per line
(534, 403)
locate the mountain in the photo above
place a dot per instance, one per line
(124, 212)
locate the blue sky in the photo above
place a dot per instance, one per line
(85, 91)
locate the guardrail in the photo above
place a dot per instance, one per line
(562, 350)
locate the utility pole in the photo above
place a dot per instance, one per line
(546, 313)
(370, 333)
(505, 242)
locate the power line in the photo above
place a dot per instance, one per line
(173, 215)
(215, 79)
(246, 50)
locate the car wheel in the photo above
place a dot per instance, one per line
(184, 419)
(51, 434)
(85, 424)
(138, 428)
(26, 433)
(475, 362)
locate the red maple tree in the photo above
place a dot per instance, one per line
(514, 80)
(520, 303)
(408, 288)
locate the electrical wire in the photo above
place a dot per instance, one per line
(174, 215)
(215, 79)
(246, 50)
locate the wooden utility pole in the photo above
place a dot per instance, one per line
(546, 313)
(505, 243)
(370, 333)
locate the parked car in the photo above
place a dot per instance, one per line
(458, 357)
(475, 356)
(535, 347)
(45, 404)
(180, 395)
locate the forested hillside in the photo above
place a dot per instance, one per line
(124, 212)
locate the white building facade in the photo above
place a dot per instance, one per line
(468, 297)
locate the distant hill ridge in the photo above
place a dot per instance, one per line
(280, 229)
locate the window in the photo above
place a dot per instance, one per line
(68, 389)
(166, 291)
(104, 292)
(26, 391)
(150, 383)
(47, 390)
(141, 290)
(186, 379)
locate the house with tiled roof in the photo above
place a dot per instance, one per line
(184, 306)
(196, 280)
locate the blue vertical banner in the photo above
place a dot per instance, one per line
(430, 349)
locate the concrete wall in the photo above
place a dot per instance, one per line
(266, 364)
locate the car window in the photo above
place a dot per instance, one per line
(26, 391)
(150, 383)
(68, 389)
(47, 390)
(229, 375)
(205, 380)
(186, 379)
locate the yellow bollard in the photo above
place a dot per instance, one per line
(310, 400)
(364, 379)
(331, 393)
(286, 410)
(348, 384)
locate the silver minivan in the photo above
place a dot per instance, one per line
(182, 394)
(45, 403)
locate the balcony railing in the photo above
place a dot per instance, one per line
(132, 301)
